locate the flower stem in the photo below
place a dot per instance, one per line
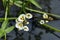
(6, 13)
(37, 11)
(12, 18)
(5, 36)
(52, 28)
(40, 12)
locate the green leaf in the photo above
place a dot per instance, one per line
(16, 1)
(8, 30)
(34, 2)
(4, 24)
(4, 2)
(1, 33)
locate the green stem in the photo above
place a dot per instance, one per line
(23, 7)
(50, 27)
(5, 36)
(7, 9)
(40, 12)
(12, 18)
(6, 12)
(37, 11)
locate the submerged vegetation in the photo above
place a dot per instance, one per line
(25, 14)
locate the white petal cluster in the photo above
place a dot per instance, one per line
(45, 16)
(21, 18)
(26, 28)
(19, 25)
(27, 22)
(46, 21)
(42, 22)
(29, 16)
(20, 21)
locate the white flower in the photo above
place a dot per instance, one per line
(50, 18)
(26, 28)
(42, 22)
(29, 16)
(27, 22)
(46, 21)
(16, 20)
(21, 18)
(45, 16)
(19, 25)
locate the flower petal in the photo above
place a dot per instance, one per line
(42, 22)
(26, 28)
(29, 16)
(21, 17)
(19, 25)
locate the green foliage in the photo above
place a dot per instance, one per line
(40, 12)
(4, 2)
(35, 3)
(9, 29)
(4, 29)
(4, 24)
(1, 33)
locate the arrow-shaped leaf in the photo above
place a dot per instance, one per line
(34, 2)
(1, 33)
(8, 30)
(4, 24)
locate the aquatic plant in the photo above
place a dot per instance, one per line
(21, 20)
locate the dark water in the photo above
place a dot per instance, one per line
(51, 6)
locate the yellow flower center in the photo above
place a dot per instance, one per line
(20, 24)
(28, 15)
(45, 16)
(25, 28)
(22, 18)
